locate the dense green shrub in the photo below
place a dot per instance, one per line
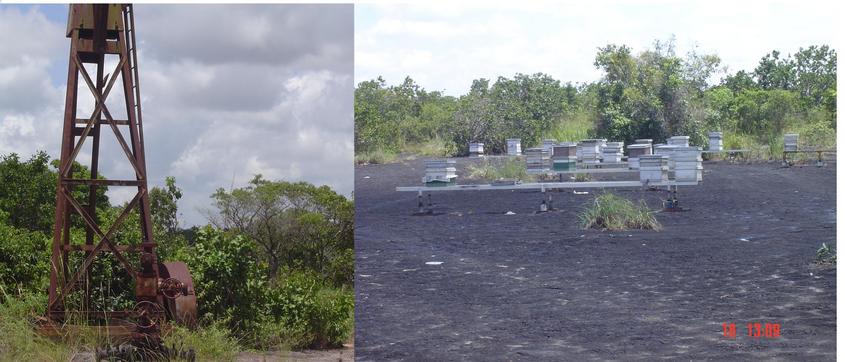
(230, 285)
(24, 259)
(310, 313)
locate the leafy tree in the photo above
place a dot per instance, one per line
(294, 224)
(28, 192)
(164, 216)
(774, 72)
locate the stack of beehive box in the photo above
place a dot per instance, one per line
(476, 149)
(590, 153)
(688, 166)
(536, 160)
(654, 168)
(564, 157)
(548, 144)
(612, 152)
(682, 141)
(514, 146)
(790, 142)
(645, 141)
(666, 150)
(635, 151)
(715, 139)
(440, 172)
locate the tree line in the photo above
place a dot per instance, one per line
(654, 93)
(273, 266)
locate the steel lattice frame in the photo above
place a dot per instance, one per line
(96, 31)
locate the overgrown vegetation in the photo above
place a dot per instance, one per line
(273, 269)
(492, 169)
(651, 94)
(826, 254)
(612, 212)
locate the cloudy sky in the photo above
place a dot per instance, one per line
(227, 92)
(444, 46)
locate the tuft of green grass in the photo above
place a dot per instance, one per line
(211, 343)
(826, 255)
(491, 169)
(436, 147)
(583, 177)
(378, 156)
(612, 212)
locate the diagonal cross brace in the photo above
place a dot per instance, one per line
(105, 240)
(102, 105)
(65, 168)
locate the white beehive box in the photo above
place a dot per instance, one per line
(715, 141)
(514, 146)
(654, 168)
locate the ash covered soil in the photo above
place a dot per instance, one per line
(538, 287)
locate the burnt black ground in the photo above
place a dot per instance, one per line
(537, 287)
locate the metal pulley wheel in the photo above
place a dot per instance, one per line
(181, 307)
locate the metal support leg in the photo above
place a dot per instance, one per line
(543, 205)
(420, 202)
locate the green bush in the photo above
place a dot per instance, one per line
(230, 285)
(310, 313)
(24, 259)
(826, 254)
(612, 212)
(341, 268)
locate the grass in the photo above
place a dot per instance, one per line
(211, 343)
(583, 177)
(613, 212)
(770, 148)
(826, 255)
(571, 129)
(378, 156)
(500, 168)
(436, 147)
(18, 340)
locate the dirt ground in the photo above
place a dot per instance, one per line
(345, 354)
(534, 286)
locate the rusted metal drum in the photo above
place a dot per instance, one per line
(183, 308)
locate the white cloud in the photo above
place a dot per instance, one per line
(235, 91)
(445, 46)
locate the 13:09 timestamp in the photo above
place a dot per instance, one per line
(755, 330)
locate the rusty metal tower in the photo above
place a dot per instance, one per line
(162, 290)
